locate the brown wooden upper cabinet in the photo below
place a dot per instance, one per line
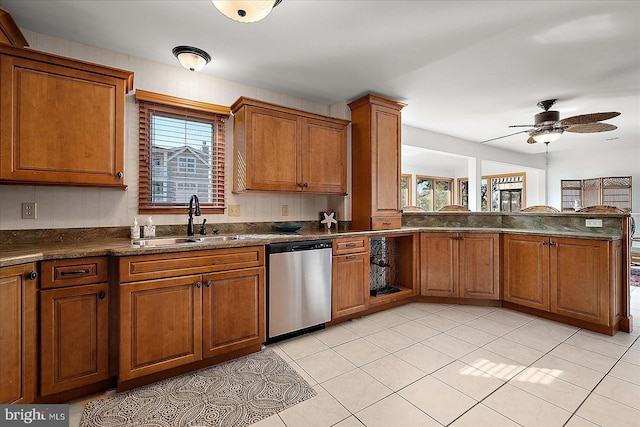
(61, 120)
(282, 149)
(375, 144)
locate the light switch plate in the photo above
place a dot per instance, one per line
(234, 210)
(593, 223)
(29, 210)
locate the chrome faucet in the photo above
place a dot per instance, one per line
(193, 199)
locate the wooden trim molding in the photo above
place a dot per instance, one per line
(158, 98)
(10, 32)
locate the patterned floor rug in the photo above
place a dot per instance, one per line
(235, 393)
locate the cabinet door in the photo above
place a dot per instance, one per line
(526, 270)
(350, 284)
(385, 179)
(60, 125)
(579, 272)
(272, 150)
(324, 157)
(234, 311)
(479, 275)
(439, 264)
(18, 340)
(160, 325)
(74, 348)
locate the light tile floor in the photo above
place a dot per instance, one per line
(450, 365)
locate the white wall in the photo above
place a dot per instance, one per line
(615, 159)
(492, 160)
(69, 207)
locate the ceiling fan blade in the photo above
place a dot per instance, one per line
(531, 140)
(589, 118)
(505, 136)
(591, 128)
(522, 126)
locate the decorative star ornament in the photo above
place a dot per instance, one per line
(329, 219)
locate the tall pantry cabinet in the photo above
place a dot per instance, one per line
(376, 126)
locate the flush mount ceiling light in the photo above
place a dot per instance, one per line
(245, 10)
(191, 58)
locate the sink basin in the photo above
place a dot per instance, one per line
(169, 241)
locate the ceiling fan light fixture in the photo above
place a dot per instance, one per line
(547, 136)
(245, 10)
(191, 58)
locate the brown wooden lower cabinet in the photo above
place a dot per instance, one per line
(74, 343)
(576, 278)
(464, 265)
(350, 276)
(174, 321)
(18, 336)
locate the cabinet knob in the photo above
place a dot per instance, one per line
(207, 283)
(306, 184)
(299, 184)
(552, 243)
(102, 294)
(119, 175)
(198, 284)
(544, 243)
(32, 275)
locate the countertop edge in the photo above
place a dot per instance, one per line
(22, 254)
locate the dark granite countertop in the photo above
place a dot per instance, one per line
(24, 253)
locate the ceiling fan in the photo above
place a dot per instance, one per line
(548, 126)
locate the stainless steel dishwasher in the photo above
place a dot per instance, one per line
(299, 288)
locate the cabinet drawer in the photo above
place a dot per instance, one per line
(386, 223)
(71, 272)
(158, 266)
(350, 245)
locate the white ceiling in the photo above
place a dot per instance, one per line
(465, 68)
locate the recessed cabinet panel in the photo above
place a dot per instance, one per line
(324, 156)
(387, 160)
(74, 337)
(580, 279)
(479, 260)
(272, 160)
(18, 317)
(62, 121)
(163, 318)
(350, 278)
(281, 149)
(439, 264)
(526, 271)
(233, 310)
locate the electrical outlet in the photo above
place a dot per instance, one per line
(285, 210)
(593, 223)
(29, 210)
(234, 210)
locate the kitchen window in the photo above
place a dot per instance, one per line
(181, 152)
(432, 193)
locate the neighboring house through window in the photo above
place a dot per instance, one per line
(182, 153)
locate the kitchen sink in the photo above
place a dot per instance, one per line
(170, 241)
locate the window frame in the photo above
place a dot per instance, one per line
(151, 103)
(451, 182)
(409, 178)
